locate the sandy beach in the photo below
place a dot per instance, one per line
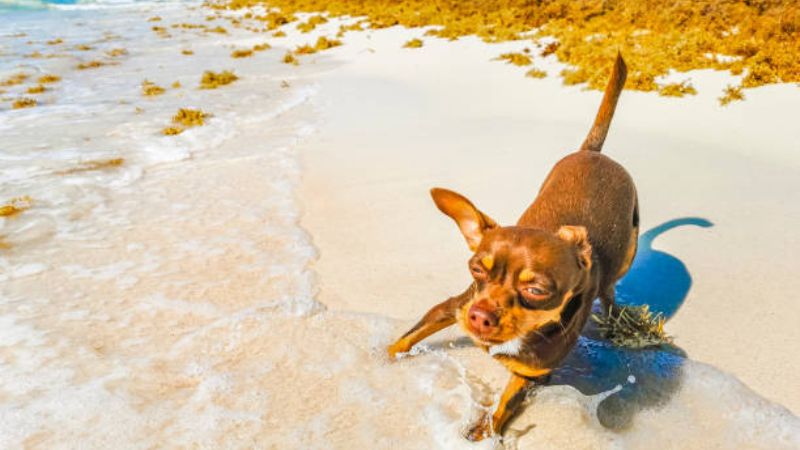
(235, 285)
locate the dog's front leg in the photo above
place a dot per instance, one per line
(510, 400)
(439, 317)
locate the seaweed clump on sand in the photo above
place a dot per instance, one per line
(187, 118)
(289, 58)
(324, 43)
(312, 23)
(517, 59)
(757, 39)
(171, 131)
(99, 164)
(115, 52)
(213, 80)
(15, 206)
(677, 89)
(14, 79)
(151, 89)
(245, 53)
(190, 117)
(273, 19)
(217, 29)
(344, 28)
(45, 79)
(730, 94)
(90, 65)
(413, 43)
(161, 32)
(632, 327)
(304, 50)
(536, 73)
(23, 102)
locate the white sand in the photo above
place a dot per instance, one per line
(400, 121)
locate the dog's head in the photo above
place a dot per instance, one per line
(527, 281)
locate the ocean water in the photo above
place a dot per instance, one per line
(167, 302)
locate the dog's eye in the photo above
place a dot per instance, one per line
(535, 293)
(478, 272)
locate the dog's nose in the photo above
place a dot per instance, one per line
(481, 320)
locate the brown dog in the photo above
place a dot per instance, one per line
(534, 283)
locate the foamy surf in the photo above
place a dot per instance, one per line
(167, 301)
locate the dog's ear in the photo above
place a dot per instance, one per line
(471, 221)
(579, 237)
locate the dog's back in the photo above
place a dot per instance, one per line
(590, 189)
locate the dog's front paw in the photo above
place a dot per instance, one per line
(397, 347)
(481, 429)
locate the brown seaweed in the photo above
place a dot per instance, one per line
(94, 64)
(48, 78)
(730, 94)
(14, 79)
(289, 58)
(413, 43)
(518, 59)
(190, 117)
(15, 206)
(212, 80)
(760, 37)
(677, 89)
(536, 73)
(171, 131)
(99, 164)
(24, 102)
(151, 89)
(245, 53)
(633, 327)
(116, 52)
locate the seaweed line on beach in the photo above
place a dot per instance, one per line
(758, 40)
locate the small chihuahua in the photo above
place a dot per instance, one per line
(534, 283)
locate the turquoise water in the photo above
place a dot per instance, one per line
(10, 6)
(7, 6)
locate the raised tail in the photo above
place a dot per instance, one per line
(597, 135)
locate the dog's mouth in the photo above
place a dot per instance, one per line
(487, 341)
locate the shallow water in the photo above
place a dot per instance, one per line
(166, 302)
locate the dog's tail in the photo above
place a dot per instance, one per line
(597, 135)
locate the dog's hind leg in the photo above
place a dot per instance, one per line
(438, 318)
(608, 295)
(608, 298)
